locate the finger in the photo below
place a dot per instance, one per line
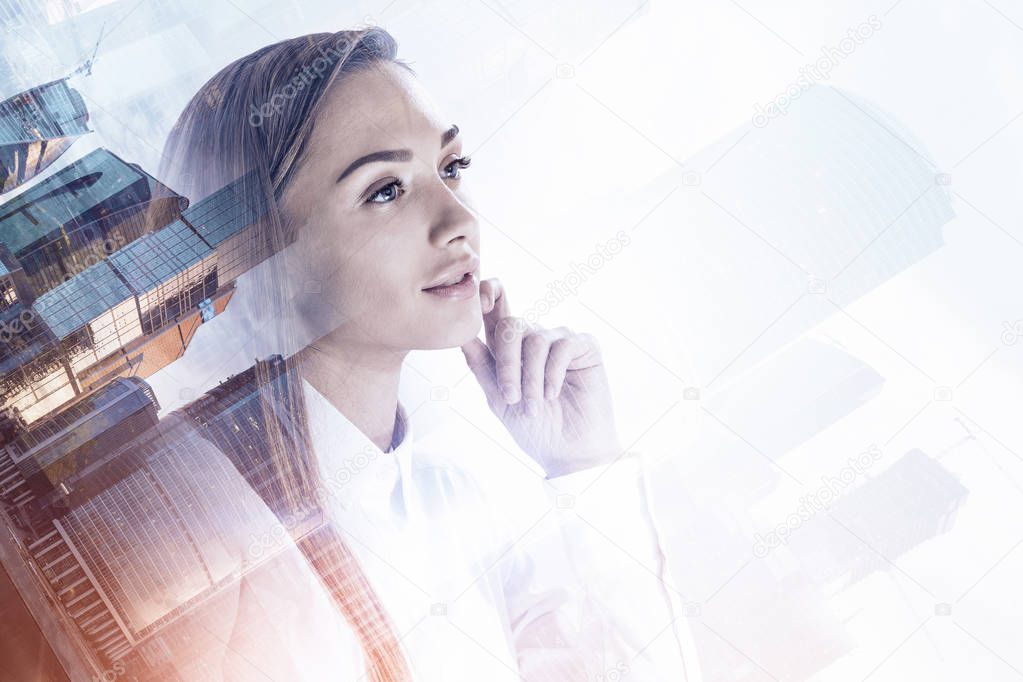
(507, 350)
(487, 294)
(494, 293)
(535, 347)
(540, 375)
(563, 351)
(576, 351)
(481, 362)
(497, 297)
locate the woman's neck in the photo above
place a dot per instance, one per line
(361, 383)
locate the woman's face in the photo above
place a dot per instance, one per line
(382, 216)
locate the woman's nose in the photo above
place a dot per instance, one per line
(453, 219)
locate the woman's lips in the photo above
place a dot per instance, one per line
(466, 288)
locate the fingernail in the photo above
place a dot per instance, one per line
(510, 395)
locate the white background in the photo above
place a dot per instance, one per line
(588, 117)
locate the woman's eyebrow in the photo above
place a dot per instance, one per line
(448, 135)
(386, 155)
(394, 154)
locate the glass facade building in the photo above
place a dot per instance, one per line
(141, 528)
(36, 127)
(120, 523)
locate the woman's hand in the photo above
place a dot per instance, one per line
(547, 386)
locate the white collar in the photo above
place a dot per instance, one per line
(353, 468)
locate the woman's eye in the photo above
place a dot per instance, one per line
(387, 193)
(453, 169)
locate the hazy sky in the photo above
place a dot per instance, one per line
(586, 118)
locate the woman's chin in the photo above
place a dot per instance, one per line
(454, 336)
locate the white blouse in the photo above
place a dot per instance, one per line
(580, 593)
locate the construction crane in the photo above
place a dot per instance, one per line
(86, 67)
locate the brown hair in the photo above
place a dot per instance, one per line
(253, 119)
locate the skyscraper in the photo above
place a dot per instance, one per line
(139, 528)
(106, 272)
(117, 524)
(36, 127)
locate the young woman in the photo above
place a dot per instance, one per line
(380, 255)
